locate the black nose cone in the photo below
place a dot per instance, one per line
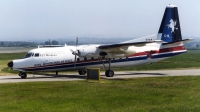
(10, 64)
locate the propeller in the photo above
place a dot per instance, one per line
(75, 53)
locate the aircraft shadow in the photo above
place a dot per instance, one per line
(58, 76)
(139, 73)
(45, 76)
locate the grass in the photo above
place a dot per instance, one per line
(139, 94)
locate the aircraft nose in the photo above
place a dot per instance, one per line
(10, 64)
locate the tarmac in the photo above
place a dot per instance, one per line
(118, 75)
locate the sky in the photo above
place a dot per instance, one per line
(24, 20)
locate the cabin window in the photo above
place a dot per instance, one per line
(85, 59)
(92, 58)
(78, 59)
(36, 54)
(29, 55)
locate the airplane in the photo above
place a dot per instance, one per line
(166, 43)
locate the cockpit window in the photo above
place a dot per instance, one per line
(29, 55)
(36, 54)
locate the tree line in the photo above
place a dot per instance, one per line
(26, 44)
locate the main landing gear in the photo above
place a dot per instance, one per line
(109, 72)
(82, 72)
(23, 75)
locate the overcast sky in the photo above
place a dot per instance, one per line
(55, 19)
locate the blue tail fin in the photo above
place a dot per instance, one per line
(170, 30)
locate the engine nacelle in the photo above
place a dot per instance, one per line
(88, 51)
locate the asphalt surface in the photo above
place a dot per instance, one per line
(118, 75)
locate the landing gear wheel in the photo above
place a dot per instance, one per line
(109, 73)
(23, 75)
(82, 72)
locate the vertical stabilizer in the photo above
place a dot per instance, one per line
(170, 30)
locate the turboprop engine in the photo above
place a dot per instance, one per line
(117, 52)
(88, 51)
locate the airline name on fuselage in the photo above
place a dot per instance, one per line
(51, 63)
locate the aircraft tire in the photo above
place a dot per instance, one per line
(20, 73)
(109, 73)
(82, 72)
(23, 75)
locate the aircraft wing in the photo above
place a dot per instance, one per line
(122, 48)
(123, 45)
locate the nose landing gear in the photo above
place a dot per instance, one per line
(23, 75)
(82, 72)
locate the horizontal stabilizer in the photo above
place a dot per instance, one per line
(184, 41)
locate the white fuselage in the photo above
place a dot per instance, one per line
(61, 58)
